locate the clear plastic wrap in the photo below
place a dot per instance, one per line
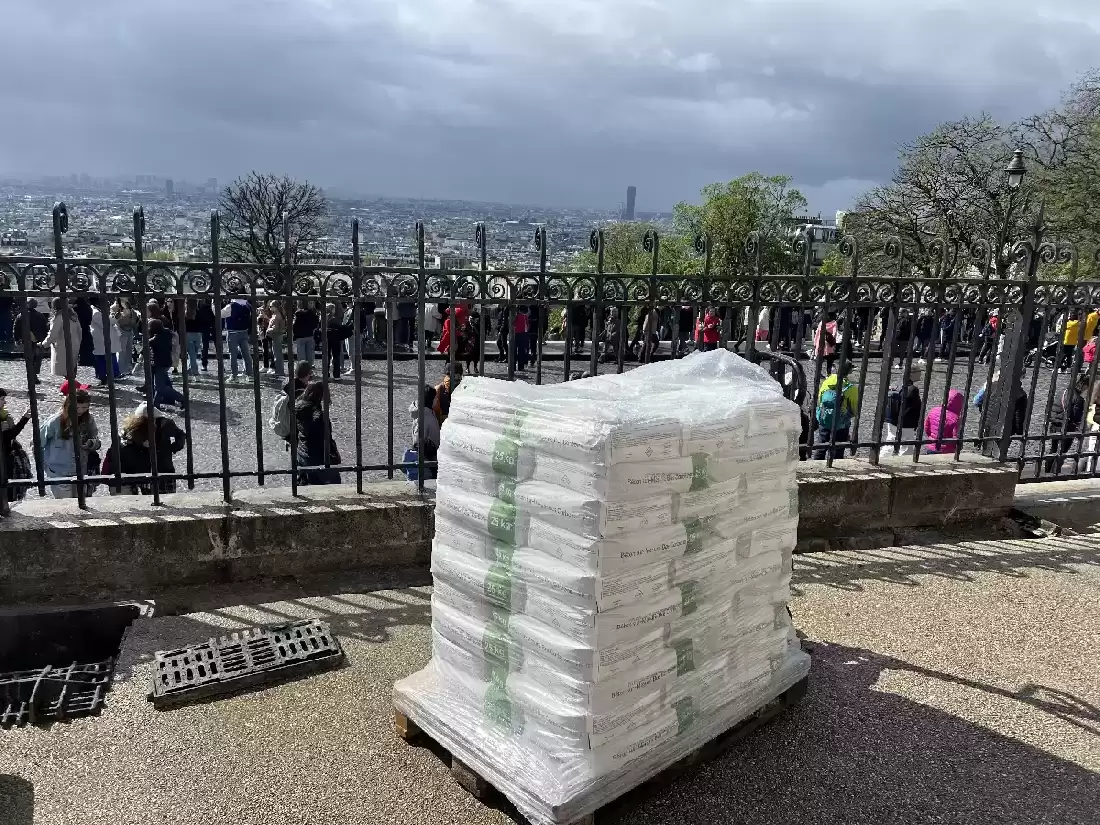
(612, 565)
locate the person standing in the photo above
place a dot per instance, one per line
(303, 329)
(58, 434)
(903, 334)
(237, 315)
(837, 402)
(99, 328)
(947, 335)
(335, 333)
(38, 328)
(825, 338)
(17, 464)
(650, 322)
(314, 432)
(161, 351)
(126, 320)
(208, 328)
(988, 334)
(521, 328)
(263, 321)
(192, 325)
(276, 332)
(63, 355)
(710, 329)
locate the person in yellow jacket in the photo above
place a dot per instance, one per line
(837, 403)
(1071, 335)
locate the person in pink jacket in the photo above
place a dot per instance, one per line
(943, 423)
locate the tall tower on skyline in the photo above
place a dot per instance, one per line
(631, 197)
(169, 187)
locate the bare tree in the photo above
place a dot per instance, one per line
(950, 185)
(1063, 150)
(253, 211)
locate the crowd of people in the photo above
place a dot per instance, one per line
(166, 337)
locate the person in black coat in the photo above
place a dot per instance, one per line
(207, 326)
(132, 452)
(314, 432)
(38, 327)
(17, 464)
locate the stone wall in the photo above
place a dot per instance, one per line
(124, 548)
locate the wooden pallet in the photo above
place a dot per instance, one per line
(478, 787)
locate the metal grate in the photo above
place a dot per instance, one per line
(242, 660)
(52, 694)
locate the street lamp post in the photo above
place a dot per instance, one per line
(1014, 171)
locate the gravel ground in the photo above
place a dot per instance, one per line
(379, 410)
(952, 684)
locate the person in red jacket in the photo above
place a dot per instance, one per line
(709, 329)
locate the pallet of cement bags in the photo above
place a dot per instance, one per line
(612, 566)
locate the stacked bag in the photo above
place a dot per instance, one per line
(611, 565)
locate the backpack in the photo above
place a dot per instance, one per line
(280, 422)
(828, 411)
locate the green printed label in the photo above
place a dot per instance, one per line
(506, 490)
(499, 617)
(502, 522)
(498, 585)
(794, 502)
(689, 597)
(695, 531)
(496, 645)
(700, 472)
(792, 446)
(685, 714)
(505, 457)
(685, 656)
(503, 553)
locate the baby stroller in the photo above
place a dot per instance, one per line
(1046, 356)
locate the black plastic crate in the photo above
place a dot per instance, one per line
(241, 660)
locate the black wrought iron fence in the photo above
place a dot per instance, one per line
(884, 364)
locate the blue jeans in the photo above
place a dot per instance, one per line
(194, 351)
(304, 349)
(239, 345)
(101, 366)
(163, 391)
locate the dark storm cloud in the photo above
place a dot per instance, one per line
(543, 101)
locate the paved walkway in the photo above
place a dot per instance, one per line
(950, 684)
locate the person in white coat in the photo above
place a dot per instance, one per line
(63, 358)
(99, 342)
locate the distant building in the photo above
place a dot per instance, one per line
(169, 187)
(631, 197)
(212, 184)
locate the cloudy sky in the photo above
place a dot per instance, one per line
(556, 102)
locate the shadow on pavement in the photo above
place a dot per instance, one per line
(16, 801)
(902, 565)
(851, 753)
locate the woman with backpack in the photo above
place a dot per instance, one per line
(837, 402)
(903, 408)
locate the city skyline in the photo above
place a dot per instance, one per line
(495, 102)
